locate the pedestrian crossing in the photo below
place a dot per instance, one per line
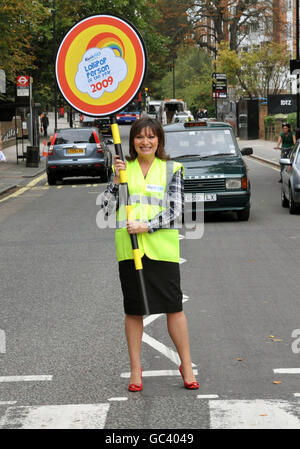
(222, 414)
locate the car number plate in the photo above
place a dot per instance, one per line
(198, 197)
(75, 151)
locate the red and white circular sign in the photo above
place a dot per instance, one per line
(101, 65)
(23, 81)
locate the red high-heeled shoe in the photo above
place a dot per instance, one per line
(136, 387)
(189, 385)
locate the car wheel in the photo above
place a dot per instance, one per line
(243, 215)
(284, 200)
(51, 180)
(292, 206)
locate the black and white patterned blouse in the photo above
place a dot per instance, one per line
(166, 219)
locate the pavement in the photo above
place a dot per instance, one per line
(15, 174)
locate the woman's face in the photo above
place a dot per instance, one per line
(285, 129)
(146, 143)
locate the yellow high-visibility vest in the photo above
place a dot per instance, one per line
(148, 198)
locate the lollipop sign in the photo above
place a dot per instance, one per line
(100, 65)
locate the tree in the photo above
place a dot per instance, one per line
(194, 67)
(19, 20)
(258, 72)
(226, 20)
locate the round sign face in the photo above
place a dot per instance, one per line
(101, 65)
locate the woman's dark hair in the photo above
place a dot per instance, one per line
(286, 124)
(158, 131)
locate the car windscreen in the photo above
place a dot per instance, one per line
(202, 143)
(153, 109)
(76, 135)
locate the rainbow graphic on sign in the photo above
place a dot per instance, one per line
(108, 40)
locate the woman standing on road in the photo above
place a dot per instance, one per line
(151, 178)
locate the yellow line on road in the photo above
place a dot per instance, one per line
(25, 188)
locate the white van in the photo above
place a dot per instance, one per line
(152, 108)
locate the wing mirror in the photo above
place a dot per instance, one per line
(285, 161)
(247, 151)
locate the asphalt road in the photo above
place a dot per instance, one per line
(62, 318)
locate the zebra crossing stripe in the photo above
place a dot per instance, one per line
(73, 416)
(254, 414)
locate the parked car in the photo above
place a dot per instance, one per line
(127, 117)
(78, 152)
(103, 123)
(290, 187)
(215, 172)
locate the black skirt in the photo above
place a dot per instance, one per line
(162, 282)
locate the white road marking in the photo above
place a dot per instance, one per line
(287, 370)
(118, 399)
(256, 414)
(8, 402)
(297, 395)
(207, 396)
(25, 378)
(159, 373)
(182, 260)
(163, 349)
(73, 416)
(160, 347)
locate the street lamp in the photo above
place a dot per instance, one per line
(174, 76)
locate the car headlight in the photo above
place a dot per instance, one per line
(233, 183)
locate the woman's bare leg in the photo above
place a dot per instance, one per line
(134, 327)
(178, 331)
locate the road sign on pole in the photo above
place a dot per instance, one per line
(219, 85)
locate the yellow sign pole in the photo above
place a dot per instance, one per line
(133, 237)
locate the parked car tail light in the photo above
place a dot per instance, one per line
(233, 183)
(245, 183)
(50, 150)
(98, 143)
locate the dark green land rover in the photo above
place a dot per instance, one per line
(215, 172)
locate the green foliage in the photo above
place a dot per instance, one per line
(269, 121)
(193, 79)
(27, 44)
(257, 72)
(292, 119)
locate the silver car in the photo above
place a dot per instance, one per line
(290, 190)
(78, 152)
